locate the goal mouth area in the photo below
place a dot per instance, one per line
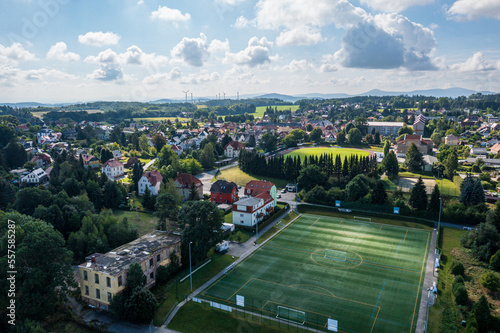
(291, 315)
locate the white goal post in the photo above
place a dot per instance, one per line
(362, 219)
(335, 255)
(291, 315)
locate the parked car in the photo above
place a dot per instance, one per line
(283, 190)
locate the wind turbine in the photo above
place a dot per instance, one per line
(224, 95)
(186, 92)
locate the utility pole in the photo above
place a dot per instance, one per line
(190, 269)
(186, 92)
(192, 102)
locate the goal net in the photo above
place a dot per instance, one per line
(335, 255)
(362, 219)
(292, 315)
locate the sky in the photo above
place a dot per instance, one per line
(55, 51)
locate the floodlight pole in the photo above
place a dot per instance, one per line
(256, 232)
(190, 271)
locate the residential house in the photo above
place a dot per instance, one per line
(496, 148)
(256, 187)
(90, 161)
(419, 125)
(428, 162)
(117, 154)
(177, 149)
(223, 191)
(113, 169)
(103, 276)
(479, 152)
(37, 176)
(232, 149)
(385, 128)
(42, 160)
(451, 140)
(183, 183)
(249, 211)
(423, 145)
(131, 161)
(23, 127)
(151, 180)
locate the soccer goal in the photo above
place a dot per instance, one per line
(335, 255)
(291, 315)
(362, 219)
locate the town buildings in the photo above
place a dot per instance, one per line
(113, 169)
(183, 183)
(150, 180)
(223, 191)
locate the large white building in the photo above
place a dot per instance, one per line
(251, 210)
(113, 169)
(385, 128)
(37, 176)
(151, 180)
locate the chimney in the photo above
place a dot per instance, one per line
(92, 259)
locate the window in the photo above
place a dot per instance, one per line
(108, 282)
(85, 276)
(87, 290)
(152, 275)
(97, 294)
(158, 258)
(96, 278)
(120, 281)
(109, 297)
(151, 262)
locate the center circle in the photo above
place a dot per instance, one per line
(320, 260)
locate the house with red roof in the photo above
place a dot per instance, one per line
(232, 149)
(424, 146)
(151, 180)
(183, 183)
(256, 187)
(90, 161)
(42, 160)
(131, 161)
(223, 191)
(113, 169)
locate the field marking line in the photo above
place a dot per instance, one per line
(375, 320)
(240, 288)
(311, 285)
(389, 267)
(294, 307)
(405, 235)
(395, 254)
(378, 299)
(341, 222)
(307, 231)
(419, 282)
(381, 227)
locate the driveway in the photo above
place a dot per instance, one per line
(206, 177)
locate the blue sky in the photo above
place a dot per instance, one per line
(77, 51)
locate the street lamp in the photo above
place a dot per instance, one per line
(190, 272)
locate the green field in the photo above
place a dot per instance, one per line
(318, 151)
(239, 177)
(259, 111)
(366, 276)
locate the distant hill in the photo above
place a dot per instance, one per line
(33, 105)
(450, 92)
(286, 98)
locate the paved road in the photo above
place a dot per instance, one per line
(206, 177)
(150, 163)
(428, 282)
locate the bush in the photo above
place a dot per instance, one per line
(495, 260)
(461, 296)
(490, 281)
(457, 268)
(162, 275)
(459, 280)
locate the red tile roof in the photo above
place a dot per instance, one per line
(87, 158)
(112, 164)
(256, 187)
(185, 180)
(235, 144)
(154, 177)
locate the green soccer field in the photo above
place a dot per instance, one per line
(366, 276)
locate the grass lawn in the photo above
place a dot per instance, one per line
(322, 267)
(228, 218)
(259, 111)
(447, 187)
(166, 295)
(194, 316)
(450, 240)
(275, 228)
(415, 175)
(317, 151)
(145, 222)
(389, 185)
(240, 235)
(234, 174)
(378, 149)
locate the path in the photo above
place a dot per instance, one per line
(149, 164)
(428, 281)
(206, 177)
(248, 252)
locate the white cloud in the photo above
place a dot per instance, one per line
(388, 41)
(44, 73)
(328, 64)
(202, 77)
(192, 51)
(273, 14)
(298, 66)
(99, 38)
(300, 35)
(467, 10)
(110, 72)
(475, 63)
(218, 46)
(58, 52)
(157, 78)
(135, 56)
(107, 56)
(394, 5)
(258, 52)
(230, 2)
(242, 22)
(14, 54)
(164, 13)
(140, 2)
